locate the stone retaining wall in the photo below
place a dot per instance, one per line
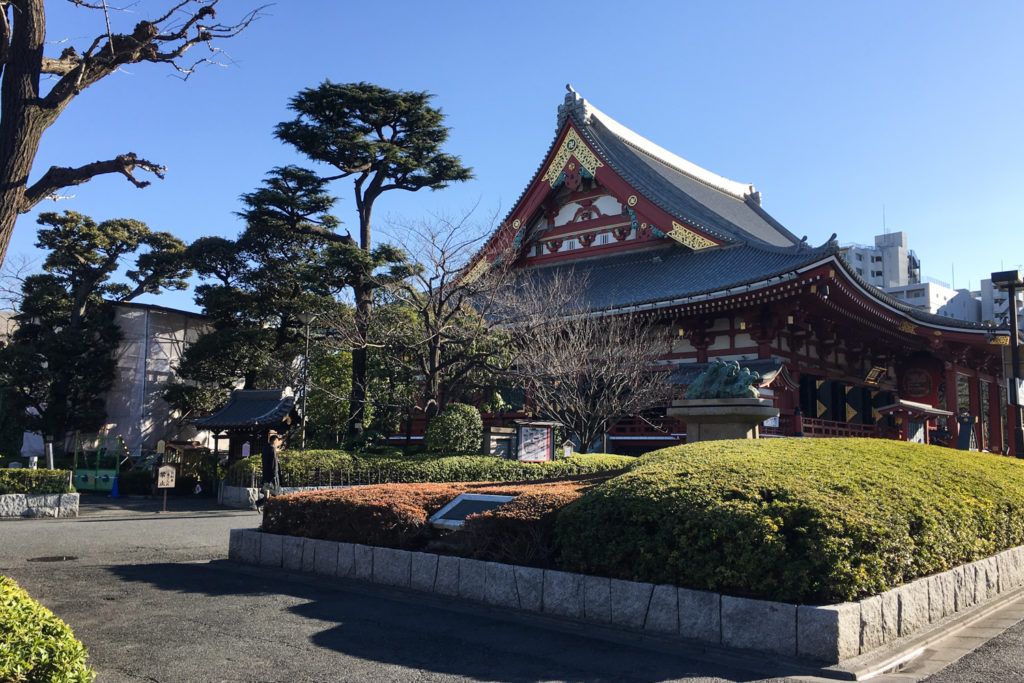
(245, 498)
(39, 505)
(830, 634)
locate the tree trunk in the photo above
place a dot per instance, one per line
(21, 124)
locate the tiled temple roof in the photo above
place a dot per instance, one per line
(252, 408)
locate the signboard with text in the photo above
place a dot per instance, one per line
(165, 476)
(535, 444)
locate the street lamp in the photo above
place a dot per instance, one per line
(1010, 280)
(305, 319)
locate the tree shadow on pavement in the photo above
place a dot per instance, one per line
(413, 630)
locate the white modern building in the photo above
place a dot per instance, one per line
(890, 263)
(995, 304)
(939, 298)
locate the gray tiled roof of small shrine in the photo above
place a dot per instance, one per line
(250, 408)
(687, 196)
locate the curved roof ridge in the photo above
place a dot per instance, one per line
(588, 112)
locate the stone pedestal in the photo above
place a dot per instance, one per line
(713, 419)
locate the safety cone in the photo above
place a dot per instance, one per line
(113, 489)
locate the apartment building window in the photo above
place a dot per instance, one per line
(860, 271)
(876, 273)
(860, 257)
(876, 259)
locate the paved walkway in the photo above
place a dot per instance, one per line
(153, 598)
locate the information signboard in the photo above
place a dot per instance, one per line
(165, 476)
(534, 444)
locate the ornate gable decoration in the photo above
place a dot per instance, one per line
(572, 146)
(689, 238)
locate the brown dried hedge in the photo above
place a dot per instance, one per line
(395, 516)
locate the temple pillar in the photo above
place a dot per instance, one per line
(974, 406)
(951, 394)
(995, 423)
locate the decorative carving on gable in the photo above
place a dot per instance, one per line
(587, 211)
(689, 238)
(572, 146)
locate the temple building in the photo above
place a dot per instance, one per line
(655, 235)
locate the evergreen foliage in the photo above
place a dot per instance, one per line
(457, 429)
(255, 288)
(337, 468)
(36, 646)
(60, 359)
(384, 140)
(796, 520)
(35, 481)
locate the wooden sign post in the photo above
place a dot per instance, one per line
(165, 480)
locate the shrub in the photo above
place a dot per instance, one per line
(335, 468)
(396, 516)
(456, 429)
(35, 481)
(798, 520)
(522, 531)
(35, 645)
(392, 515)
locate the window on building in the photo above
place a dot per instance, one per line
(860, 257)
(876, 273)
(860, 271)
(876, 259)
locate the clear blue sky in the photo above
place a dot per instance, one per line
(832, 110)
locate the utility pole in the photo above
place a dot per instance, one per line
(1010, 280)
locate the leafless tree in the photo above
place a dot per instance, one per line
(28, 108)
(456, 338)
(436, 324)
(582, 368)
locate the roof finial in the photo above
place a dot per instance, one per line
(568, 86)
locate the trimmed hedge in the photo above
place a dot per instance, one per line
(35, 481)
(36, 646)
(522, 531)
(336, 468)
(456, 429)
(796, 520)
(396, 516)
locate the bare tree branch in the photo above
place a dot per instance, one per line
(27, 109)
(59, 177)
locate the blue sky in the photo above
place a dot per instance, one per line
(832, 110)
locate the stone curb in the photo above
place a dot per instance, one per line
(36, 505)
(828, 634)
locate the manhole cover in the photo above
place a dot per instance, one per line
(53, 558)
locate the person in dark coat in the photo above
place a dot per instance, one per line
(271, 472)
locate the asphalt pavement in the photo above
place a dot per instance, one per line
(154, 599)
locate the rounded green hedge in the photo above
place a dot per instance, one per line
(456, 429)
(336, 468)
(797, 520)
(36, 646)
